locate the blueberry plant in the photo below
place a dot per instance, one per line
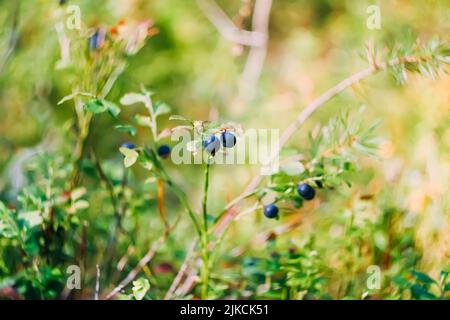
(80, 207)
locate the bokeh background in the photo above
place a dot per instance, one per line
(403, 224)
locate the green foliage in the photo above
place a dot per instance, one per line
(432, 57)
(140, 288)
(71, 195)
(329, 160)
(422, 287)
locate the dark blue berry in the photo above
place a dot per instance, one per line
(306, 191)
(128, 145)
(271, 211)
(228, 139)
(97, 39)
(164, 151)
(93, 40)
(211, 145)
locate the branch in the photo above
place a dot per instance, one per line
(181, 272)
(227, 28)
(97, 282)
(256, 39)
(257, 55)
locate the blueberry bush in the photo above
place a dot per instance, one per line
(96, 204)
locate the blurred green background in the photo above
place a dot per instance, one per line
(188, 64)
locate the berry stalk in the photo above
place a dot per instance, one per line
(204, 240)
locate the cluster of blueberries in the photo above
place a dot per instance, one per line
(212, 144)
(304, 190)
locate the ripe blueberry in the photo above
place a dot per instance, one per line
(306, 191)
(128, 145)
(228, 139)
(97, 39)
(271, 211)
(164, 151)
(211, 144)
(94, 40)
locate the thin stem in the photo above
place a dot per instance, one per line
(84, 124)
(205, 269)
(205, 199)
(107, 183)
(204, 239)
(161, 207)
(97, 283)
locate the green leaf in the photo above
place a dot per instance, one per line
(32, 218)
(132, 98)
(400, 281)
(147, 92)
(443, 276)
(112, 108)
(447, 287)
(126, 129)
(147, 165)
(422, 277)
(348, 166)
(380, 240)
(131, 156)
(73, 95)
(161, 108)
(419, 292)
(67, 98)
(144, 121)
(81, 204)
(140, 288)
(8, 227)
(31, 246)
(77, 193)
(95, 106)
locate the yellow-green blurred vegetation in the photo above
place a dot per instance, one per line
(395, 215)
